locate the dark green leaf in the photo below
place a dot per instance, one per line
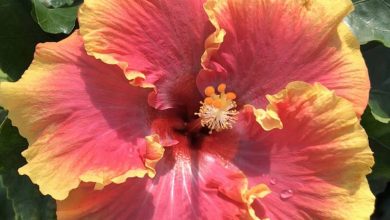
(3, 117)
(379, 137)
(28, 202)
(18, 36)
(6, 209)
(382, 205)
(371, 20)
(55, 20)
(378, 62)
(11, 145)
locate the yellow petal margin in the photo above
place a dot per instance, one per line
(214, 41)
(240, 192)
(328, 124)
(268, 119)
(54, 110)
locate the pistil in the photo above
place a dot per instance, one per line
(218, 110)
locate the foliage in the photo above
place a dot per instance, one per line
(371, 20)
(379, 137)
(25, 198)
(56, 3)
(27, 202)
(19, 198)
(55, 16)
(18, 37)
(377, 58)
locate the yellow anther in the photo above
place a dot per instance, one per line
(218, 111)
(209, 91)
(222, 87)
(217, 103)
(231, 95)
(208, 101)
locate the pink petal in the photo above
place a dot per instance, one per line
(156, 43)
(316, 165)
(270, 43)
(82, 119)
(190, 184)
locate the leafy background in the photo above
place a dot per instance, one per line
(25, 23)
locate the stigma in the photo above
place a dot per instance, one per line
(218, 109)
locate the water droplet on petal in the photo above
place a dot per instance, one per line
(272, 181)
(286, 194)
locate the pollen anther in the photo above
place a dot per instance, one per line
(208, 100)
(209, 91)
(218, 110)
(222, 87)
(231, 95)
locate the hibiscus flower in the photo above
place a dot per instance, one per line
(218, 109)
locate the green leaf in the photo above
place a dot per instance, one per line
(3, 118)
(18, 36)
(382, 206)
(6, 209)
(55, 20)
(56, 3)
(379, 137)
(28, 203)
(378, 62)
(11, 146)
(4, 76)
(371, 20)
